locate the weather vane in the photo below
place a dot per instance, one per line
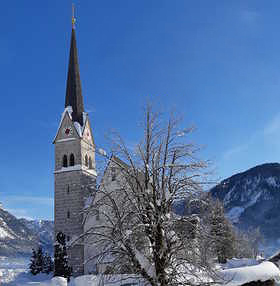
(73, 17)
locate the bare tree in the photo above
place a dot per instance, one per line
(135, 230)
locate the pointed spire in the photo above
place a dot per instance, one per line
(73, 17)
(74, 96)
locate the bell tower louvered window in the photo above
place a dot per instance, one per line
(72, 160)
(65, 161)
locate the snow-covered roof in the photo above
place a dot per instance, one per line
(80, 129)
(261, 272)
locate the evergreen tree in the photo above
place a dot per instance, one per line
(48, 264)
(40, 259)
(37, 261)
(222, 233)
(61, 267)
(33, 266)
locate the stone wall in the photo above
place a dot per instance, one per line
(71, 190)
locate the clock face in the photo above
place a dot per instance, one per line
(68, 131)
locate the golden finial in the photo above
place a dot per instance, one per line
(73, 17)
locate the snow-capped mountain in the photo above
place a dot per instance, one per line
(252, 198)
(19, 236)
(43, 230)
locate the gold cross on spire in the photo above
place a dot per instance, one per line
(73, 17)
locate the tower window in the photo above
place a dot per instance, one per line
(90, 163)
(64, 161)
(68, 214)
(97, 214)
(68, 189)
(113, 170)
(72, 160)
(86, 160)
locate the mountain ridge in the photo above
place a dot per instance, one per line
(252, 199)
(18, 236)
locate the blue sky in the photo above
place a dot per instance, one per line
(216, 62)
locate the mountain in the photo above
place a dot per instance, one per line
(19, 236)
(252, 199)
(43, 230)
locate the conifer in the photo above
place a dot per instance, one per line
(60, 257)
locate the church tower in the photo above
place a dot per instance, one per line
(75, 173)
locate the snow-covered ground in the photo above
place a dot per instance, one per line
(10, 268)
(239, 262)
(14, 272)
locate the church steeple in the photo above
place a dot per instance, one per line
(74, 96)
(75, 169)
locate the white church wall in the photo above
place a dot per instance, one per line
(97, 216)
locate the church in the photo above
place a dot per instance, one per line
(75, 176)
(98, 220)
(75, 170)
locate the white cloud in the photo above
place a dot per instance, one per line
(234, 151)
(19, 213)
(90, 110)
(47, 201)
(273, 126)
(26, 206)
(266, 135)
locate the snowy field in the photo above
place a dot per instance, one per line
(10, 268)
(14, 272)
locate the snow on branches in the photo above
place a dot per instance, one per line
(136, 230)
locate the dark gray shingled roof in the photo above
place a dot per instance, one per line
(74, 96)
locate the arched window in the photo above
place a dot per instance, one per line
(86, 160)
(72, 160)
(68, 189)
(68, 214)
(64, 161)
(90, 163)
